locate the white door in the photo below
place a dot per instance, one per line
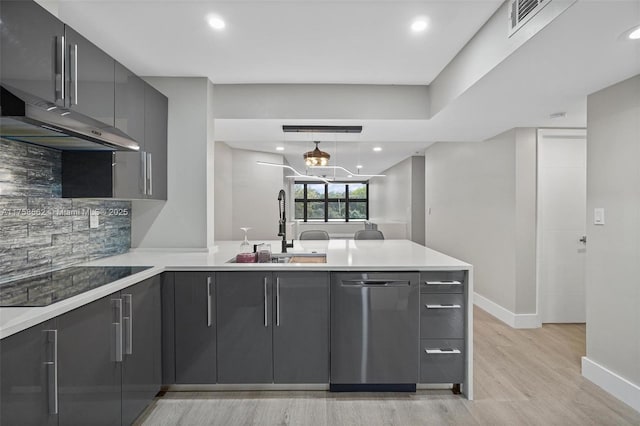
(562, 211)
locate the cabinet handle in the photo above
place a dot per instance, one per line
(60, 95)
(442, 351)
(52, 371)
(73, 53)
(143, 160)
(209, 321)
(150, 172)
(266, 322)
(443, 306)
(117, 330)
(278, 301)
(388, 283)
(127, 322)
(443, 282)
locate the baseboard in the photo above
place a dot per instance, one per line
(616, 385)
(505, 315)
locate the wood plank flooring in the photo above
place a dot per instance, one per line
(522, 377)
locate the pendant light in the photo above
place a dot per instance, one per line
(316, 157)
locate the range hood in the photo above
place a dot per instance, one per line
(25, 118)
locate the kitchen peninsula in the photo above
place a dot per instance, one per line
(228, 325)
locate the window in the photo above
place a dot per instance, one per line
(331, 202)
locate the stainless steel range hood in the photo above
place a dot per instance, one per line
(25, 118)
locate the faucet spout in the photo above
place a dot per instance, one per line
(282, 221)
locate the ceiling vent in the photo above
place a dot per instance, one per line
(521, 11)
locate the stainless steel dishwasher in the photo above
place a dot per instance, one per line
(374, 331)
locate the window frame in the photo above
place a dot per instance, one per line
(326, 200)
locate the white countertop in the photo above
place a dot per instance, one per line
(342, 255)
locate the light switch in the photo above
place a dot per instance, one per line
(598, 216)
(93, 219)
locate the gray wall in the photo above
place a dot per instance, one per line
(481, 199)
(51, 232)
(223, 191)
(613, 249)
(399, 197)
(182, 221)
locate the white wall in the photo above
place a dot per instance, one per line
(481, 198)
(255, 194)
(181, 221)
(399, 198)
(223, 191)
(613, 249)
(322, 101)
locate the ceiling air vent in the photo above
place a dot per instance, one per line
(521, 11)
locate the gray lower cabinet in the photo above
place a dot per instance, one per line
(89, 371)
(301, 327)
(27, 366)
(244, 324)
(195, 328)
(142, 347)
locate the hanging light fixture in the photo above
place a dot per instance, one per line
(316, 157)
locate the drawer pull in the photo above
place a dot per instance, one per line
(443, 282)
(442, 351)
(445, 306)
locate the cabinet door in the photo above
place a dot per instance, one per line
(155, 142)
(31, 46)
(89, 375)
(90, 78)
(244, 327)
(195, 332)
(129, 117)
(301, 327)
(142, 363)
(27, 363)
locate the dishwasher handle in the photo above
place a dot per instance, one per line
(376, 283)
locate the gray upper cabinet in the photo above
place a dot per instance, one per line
(32, 37)
(142, 347)
(28, 365)
(155, 143)
(90, 78)
(195, 328)
(128, 173)
(244, 323)
(301, 327)
(89, 372)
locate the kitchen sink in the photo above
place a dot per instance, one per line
(294, 258)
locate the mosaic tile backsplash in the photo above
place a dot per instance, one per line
(39, 231)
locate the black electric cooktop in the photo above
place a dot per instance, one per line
(52, 287)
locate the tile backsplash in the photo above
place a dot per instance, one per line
(39, 230)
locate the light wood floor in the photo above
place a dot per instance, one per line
(522, 377)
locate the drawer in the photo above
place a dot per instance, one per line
(442, 361)
(442, 316)
(443, 281)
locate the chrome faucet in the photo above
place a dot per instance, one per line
(282, 223)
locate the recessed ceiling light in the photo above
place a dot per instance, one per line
(359, 166)
(419, 25)
(635, 34)
(377, 149)
(279, 148)
(216, 22)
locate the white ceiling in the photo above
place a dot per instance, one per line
(369, 42)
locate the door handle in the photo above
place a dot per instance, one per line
(150, 172)
(443, 306)
(52, 371)
(60, 65)
(209, 319)
(127, 323)
(583, 240)
(266, 320)
(116, 344)
(278, 301)
(73, 54)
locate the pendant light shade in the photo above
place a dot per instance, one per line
(316, 157)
